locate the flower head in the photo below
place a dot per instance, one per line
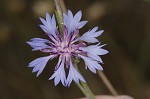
(67, 46)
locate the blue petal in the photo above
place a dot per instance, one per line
(73, 75)
(39, 39)
(44, 22)
(48, 19)
(65, 17)
(70, 15)
(53, 21)
(59, 75)
(91, 35)
(95, 57)
(91, 64)
(73, 23)
(44, 28)
(93, 51)
(78, 16)
(81, 24)
(39, 43)
(103, 52)
(49, 25)
(39, 64)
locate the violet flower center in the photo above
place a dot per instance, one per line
(64, 48)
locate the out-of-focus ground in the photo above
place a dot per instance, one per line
(127, 34)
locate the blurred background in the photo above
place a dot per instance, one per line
(127, 35)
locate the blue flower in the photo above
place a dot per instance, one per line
(66, 47)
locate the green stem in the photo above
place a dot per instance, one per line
(59, 17)
(107, 83)
(82, 85)
(62, 5)
(82, 89)
(90, 95)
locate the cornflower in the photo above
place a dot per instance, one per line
(67, 46)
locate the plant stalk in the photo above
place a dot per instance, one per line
(107, 83)
(82, 85)
(59, 17)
